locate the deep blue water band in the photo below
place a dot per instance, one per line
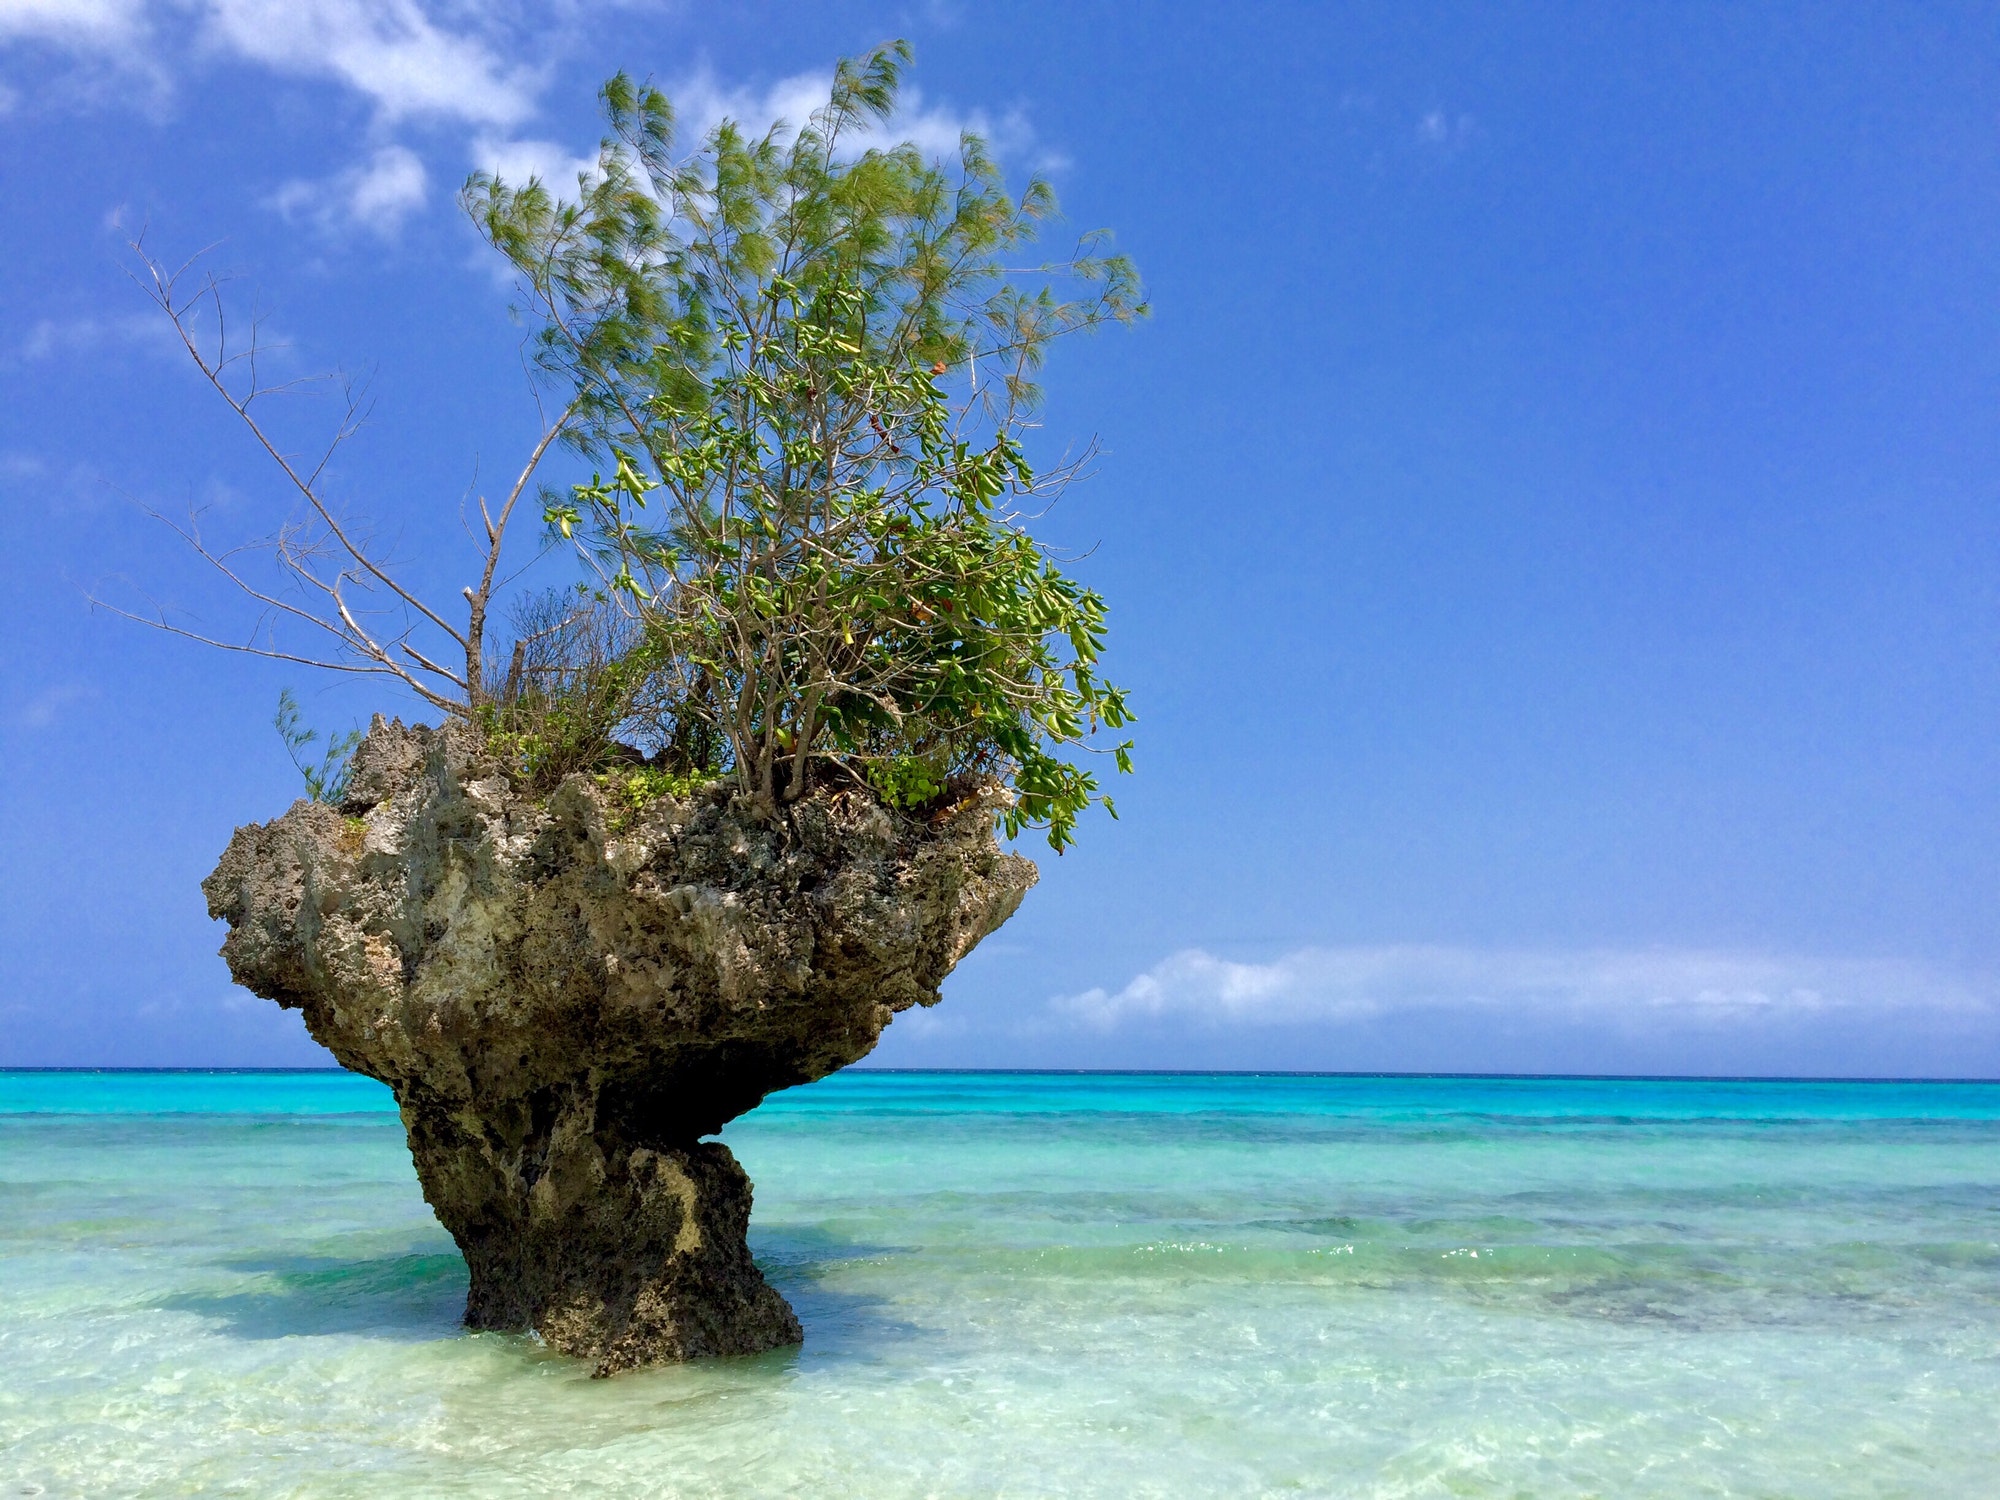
(876, 1091)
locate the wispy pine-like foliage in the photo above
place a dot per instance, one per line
(805, 362)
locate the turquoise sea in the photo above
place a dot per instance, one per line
(217, 1283)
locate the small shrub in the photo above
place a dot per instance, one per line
(327, 781)
(908, 781)
(633, 789)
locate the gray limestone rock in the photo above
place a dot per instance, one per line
(566, 996)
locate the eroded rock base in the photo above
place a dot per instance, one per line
(622, 1255)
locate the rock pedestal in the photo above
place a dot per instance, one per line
(567, 995)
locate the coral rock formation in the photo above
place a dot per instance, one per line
(566, 996)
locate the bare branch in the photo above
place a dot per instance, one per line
(319, 549)
(163, 291)
(356, 669)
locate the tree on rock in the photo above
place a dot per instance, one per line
(802, 366)
(804, 369)
(815, 661)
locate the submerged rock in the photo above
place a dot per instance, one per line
(566, 996)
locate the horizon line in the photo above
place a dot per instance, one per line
(1133, 1073)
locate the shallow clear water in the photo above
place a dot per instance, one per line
(1047, 1285)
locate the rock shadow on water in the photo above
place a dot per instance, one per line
(800, 1260)
(415, 1296)
(418, 1296)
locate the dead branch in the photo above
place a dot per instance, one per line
(318, 552)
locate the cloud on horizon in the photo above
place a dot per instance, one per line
(1431, 1008)
(1642, 988)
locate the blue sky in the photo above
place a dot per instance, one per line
(1550, 520)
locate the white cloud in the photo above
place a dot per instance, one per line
(71, 487)
(391, 185)
(46, 707)
(936, 130)
(393, 52)
(424, 58)
(97, 24)
(1444, 133)
(112, 45)
(517, 161)
(440, 60)
(54, 338)
(377, 195)
(701, 103)
(389, 50)
(1639, 989)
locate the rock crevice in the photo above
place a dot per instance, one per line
(567, 996)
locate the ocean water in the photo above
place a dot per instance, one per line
(1047, 1285)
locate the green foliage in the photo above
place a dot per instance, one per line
(806, 370)
(327, 781)
(542, 742)
(909, 781)
(634, 788)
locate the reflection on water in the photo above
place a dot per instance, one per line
(1048, 1284)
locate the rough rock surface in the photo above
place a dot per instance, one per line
(566, 996)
